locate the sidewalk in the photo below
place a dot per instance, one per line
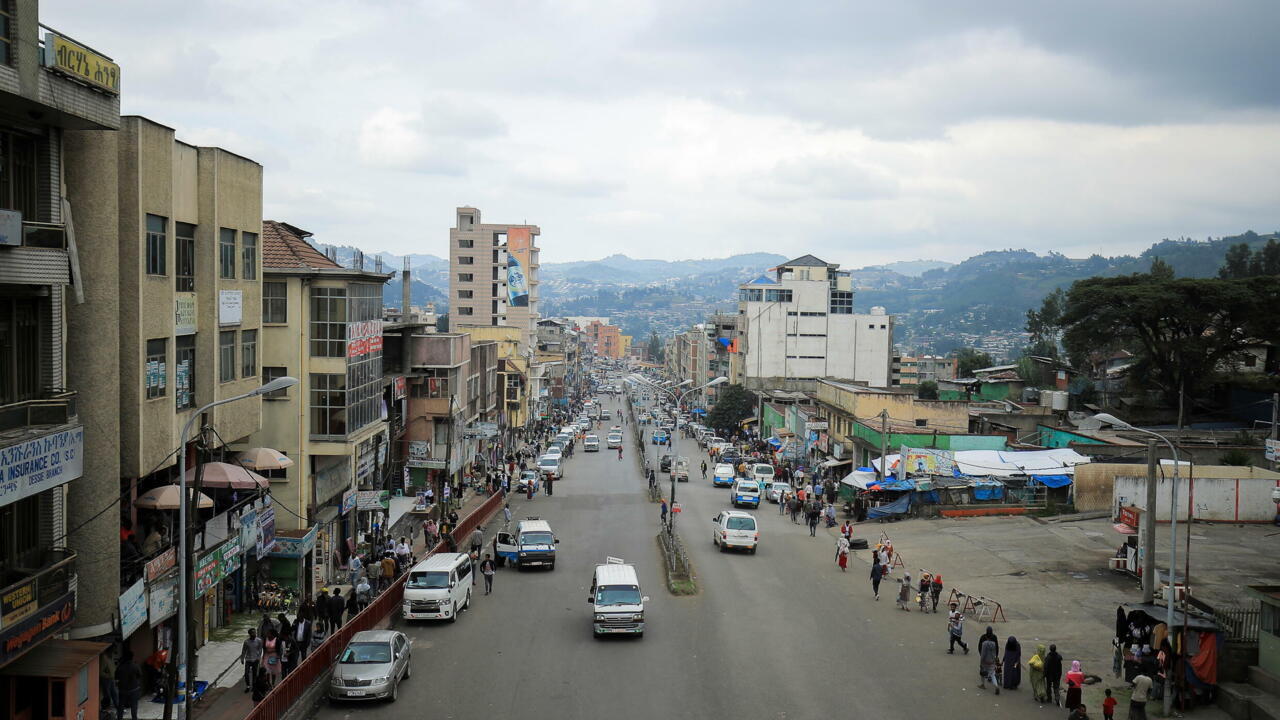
(218, 660)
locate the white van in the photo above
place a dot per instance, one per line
(438, 588)
(533, 544)
(591, 444)
(762, 473)
(746, 492)
(616, 603)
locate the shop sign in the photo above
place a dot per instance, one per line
(266, 540)
(17, 603)
(133, 608)
(162, 598)
(398, 388)
(249, 531)
(216, 564)
(159, 564)
(1129, 516)
(815, 425)
(23, 636)
(373, 499)
(434, 464)
(34, 466)
(481, 430)
(837, 449)
(295, 547)
(1272, 449)
(184, 314)
(348, 502)
(419, 453)
(364, 337)
(332, 479)
(230, 307)
(77, 61)
(928, 461)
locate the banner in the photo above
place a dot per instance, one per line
(133, 608)
(33, 466)
(161, 563)
(217, 564)
(49, 621)
(927, 461)
(249, 531)
(266, 539)
(373, 500)
(162, 598)
(519, 242)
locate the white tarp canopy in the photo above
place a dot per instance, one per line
(859, 479)
(1010, 463)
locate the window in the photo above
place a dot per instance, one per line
(777, 296)
(273, 373)
(464, 310)
(20, 356)
(157, 367)
(465, 294)
(156, 242)
(466, 260)
(841, 302)
(226, 253)
(495, 255)
(495, 272)
(493, 290)
(249, 255)
(465, 277)
(813, 314)
(493, 305)
(328, 404)
(328, 322)
(248, 353)
(750, 295)
(275, 302)
(19, 186)
(435, 384)
(226, 356)
(184, 255)
(184, 375)
(466, 243)
(6, 34)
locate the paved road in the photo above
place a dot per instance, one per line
(781, 634)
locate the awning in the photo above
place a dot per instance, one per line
(747, 422)
(1051, 481)
(774, 442)
(837, 462)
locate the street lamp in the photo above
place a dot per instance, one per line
(678, 399)
(279, 383)
(1112, 420)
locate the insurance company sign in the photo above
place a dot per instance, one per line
(34, 466)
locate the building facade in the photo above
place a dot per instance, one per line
(493, 274)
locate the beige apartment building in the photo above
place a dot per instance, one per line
(512, 377)
(322, 324)
(493, 274)
(169, 233)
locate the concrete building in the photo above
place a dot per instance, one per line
(493, 274)
(322, 323)
(605, 339)
(799, 325)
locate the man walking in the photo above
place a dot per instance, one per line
(336, 607)
(663, 509)
(251, 656)
(989, 652)
(1138, 700)
(1053, 675)
(487, 569)
(812, 517)
(129, 683)
(302, 630)
(355, 565)
(506, 516)
(477, 542)
(955, 630)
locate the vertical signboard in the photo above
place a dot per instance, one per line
(519, 242)
(266, 540)
(133, 608)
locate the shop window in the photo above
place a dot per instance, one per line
(184, 374)
(157, 367)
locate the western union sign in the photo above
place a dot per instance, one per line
(65, 56)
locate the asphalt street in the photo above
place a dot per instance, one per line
(779, 634)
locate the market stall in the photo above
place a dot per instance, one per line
(1188, 651)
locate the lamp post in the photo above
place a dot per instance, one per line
(677, 399)
(1108, 419)
(184, 587)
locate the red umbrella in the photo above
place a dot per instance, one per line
(226, 475)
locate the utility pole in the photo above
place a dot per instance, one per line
(884, 445)
(1149, 529)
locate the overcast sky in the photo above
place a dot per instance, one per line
(861, 132)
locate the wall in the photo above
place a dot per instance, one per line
(1058, 438)
(1215, 499)
(1095, 483)
(942, 415)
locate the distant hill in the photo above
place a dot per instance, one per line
(622, 270)
(911, 268)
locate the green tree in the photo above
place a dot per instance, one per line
(970, 360)
(655, 347)
(1045, 324)
(734, 404)
(1181, 330)
(1236, 263)
(442, 323)
(927, 390)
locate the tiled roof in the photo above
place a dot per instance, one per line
(804, 261)
(285, 246)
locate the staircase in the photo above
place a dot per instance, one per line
(1258, 699)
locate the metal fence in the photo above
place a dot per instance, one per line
(290, 688)
(1239, 624)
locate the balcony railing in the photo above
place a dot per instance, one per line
(55, 407)
(44, 575)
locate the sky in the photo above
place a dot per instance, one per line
(860, 132)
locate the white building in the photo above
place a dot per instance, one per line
(799, 326)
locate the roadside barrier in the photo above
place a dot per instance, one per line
(286, 693)
(982, 608)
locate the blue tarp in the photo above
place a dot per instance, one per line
(987, 490)
(897, 507)
(1051, 481)
(724, 341)
(892, 483)
(774, 442)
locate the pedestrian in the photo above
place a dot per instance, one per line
(261, 685)
(271, 656)
(1012, 660)
(336, 607)
(506, 515)
(877, 573)
(988, 654)
(487, 569)
(812, 518)
(388, 572)
(129, 684)
(1109, 706)
(1138, 700)
(704, 469)
(266, 624)
(107, 679)
(403, 554)
(935, 590)
(904, 591)
(662, 507)
(1080, 712)
(1053, 675)
(286, 627)
(1035, 673)
(842, 553)
(351, 604)
(364, 592)
(355, 565)
(955, 630)
(477, 541)
(619, 453)
(302, 630)
(1075, 685)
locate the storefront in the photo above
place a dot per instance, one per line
(292, 559)
(57, 680)
(211, 568)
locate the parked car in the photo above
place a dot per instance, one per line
(735, 529)
(776, 490)
(591, 443)
(614, 440)
(762, 473)
(549, 466)
(664, 463)
(372, 666)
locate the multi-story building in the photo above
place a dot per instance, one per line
(606, 340)
(178, 246)
(912, 370)
(49, 515)
(322, 323)
(799, 326)
(512, 374)
(493, 274)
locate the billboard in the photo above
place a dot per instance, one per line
(928, 461)
(519, 242)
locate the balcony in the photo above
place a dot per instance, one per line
(34, 416)
(44, 235)
(38, 578)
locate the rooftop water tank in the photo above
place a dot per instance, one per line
(878, 310)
